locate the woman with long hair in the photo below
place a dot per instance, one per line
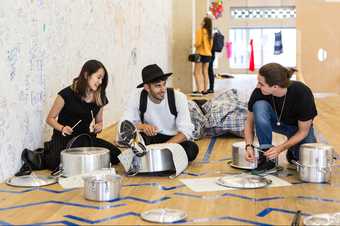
(78, 109)
(203, 45)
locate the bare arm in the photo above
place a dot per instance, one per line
(249, 136)
(303, 130)
(54, 112)
(178, 138)
(98, 126)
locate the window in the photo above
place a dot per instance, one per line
(263, 41)
(263, 12)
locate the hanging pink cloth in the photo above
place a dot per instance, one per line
(251, 60)
(229, 48)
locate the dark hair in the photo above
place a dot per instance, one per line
(80, 83)
(276, 74)
(207, 24)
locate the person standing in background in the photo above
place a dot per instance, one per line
(218, 44)
(203, 45)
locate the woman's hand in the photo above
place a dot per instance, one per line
(250, 155)
(97, 128)
(66, 130)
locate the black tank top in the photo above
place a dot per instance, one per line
(76, 109)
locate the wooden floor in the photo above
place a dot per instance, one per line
(268, 206)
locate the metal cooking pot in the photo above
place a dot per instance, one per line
(155, 160)
(238, 155)
(83, 160)
(316, 162)
(102, 188)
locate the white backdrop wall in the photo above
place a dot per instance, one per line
(43, 45)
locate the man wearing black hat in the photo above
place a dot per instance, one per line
(161, 114)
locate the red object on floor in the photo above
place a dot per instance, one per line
(251, 60)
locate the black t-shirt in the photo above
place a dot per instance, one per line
(299, 104)
(76, 109)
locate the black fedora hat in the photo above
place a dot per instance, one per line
(152, 73)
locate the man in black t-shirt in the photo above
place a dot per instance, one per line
(282, 106)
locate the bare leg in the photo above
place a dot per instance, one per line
(205, 76)
(198, 77)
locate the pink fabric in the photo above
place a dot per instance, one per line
(229, 48)
(251, 60)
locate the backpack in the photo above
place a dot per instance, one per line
(218, 43)
(144, 101)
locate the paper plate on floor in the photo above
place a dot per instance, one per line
(320, 219)
(31, 181)
(244, 181)
(164, 216)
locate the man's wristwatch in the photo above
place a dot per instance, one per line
(249, 145)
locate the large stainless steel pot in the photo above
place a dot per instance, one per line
(155, 160)
(102, 188)
(238, 157)
(316, 162)
(84, 160)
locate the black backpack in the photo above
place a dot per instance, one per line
(218, 43)
(144, 101)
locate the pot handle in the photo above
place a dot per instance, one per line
(70, 143)
(297, 164)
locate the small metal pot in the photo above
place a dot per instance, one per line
(238, 155)
(82, 160)
(102, 188)
(316, 154)
(313, 174)
(316, 162)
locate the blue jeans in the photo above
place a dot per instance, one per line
(265, 120)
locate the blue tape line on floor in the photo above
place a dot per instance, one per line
(87, 221)
(4, 223)
(157, 185)
(141, 200)
(230, 195)
(209, 149)
(61, 203)
(37, 189)
(264, 199)
(67, 223)
(267, 211)
(198, 220)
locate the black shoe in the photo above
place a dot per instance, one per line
(24, 170)
(210, 90)
(266, 167)
(204, 92)
(127, 133)
(196, 94)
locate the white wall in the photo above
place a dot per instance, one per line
(43, 45)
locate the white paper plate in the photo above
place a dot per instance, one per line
(320, 219)
(245, 181)
(164, 216)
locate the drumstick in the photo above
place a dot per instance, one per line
(76, 124)
(92, 114)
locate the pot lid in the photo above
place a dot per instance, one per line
(31, 181)
(243, 181)
(164, 215)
